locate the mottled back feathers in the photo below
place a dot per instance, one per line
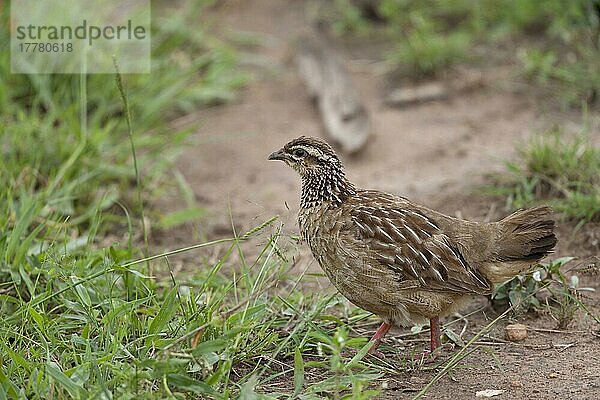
(410, 243)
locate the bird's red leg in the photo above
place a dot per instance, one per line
(383, 329)
(434, 329)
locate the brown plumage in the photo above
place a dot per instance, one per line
(400, 260)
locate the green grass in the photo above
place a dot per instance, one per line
(64, 142)
(69, 179)
(556, 43)
(552, 168)
(92, 324)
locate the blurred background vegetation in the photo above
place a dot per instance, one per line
(555, 43)
(81, 315)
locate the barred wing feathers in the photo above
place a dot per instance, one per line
(411, 244)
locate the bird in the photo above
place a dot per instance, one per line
(398, 259)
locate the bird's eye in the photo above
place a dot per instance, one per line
(299, 153)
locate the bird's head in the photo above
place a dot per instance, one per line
(322, 172)
(310, 157)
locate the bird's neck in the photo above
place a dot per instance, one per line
(331, 187)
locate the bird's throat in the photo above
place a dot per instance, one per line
(332, 187)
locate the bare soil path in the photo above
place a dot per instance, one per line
(433, 153)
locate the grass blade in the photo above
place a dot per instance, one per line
(298, 372)
(186, 383)
(165, 314)
(75, 390)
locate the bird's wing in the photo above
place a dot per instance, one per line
(411, 244)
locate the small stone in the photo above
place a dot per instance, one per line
(552, 375)
(489, 393)
(515, 332)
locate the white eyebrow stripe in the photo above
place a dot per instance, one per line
(308, 149)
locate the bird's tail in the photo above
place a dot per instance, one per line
(527, 235)
(524, 238)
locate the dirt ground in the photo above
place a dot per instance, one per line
(434, 153)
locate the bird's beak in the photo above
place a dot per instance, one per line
(277, 155)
